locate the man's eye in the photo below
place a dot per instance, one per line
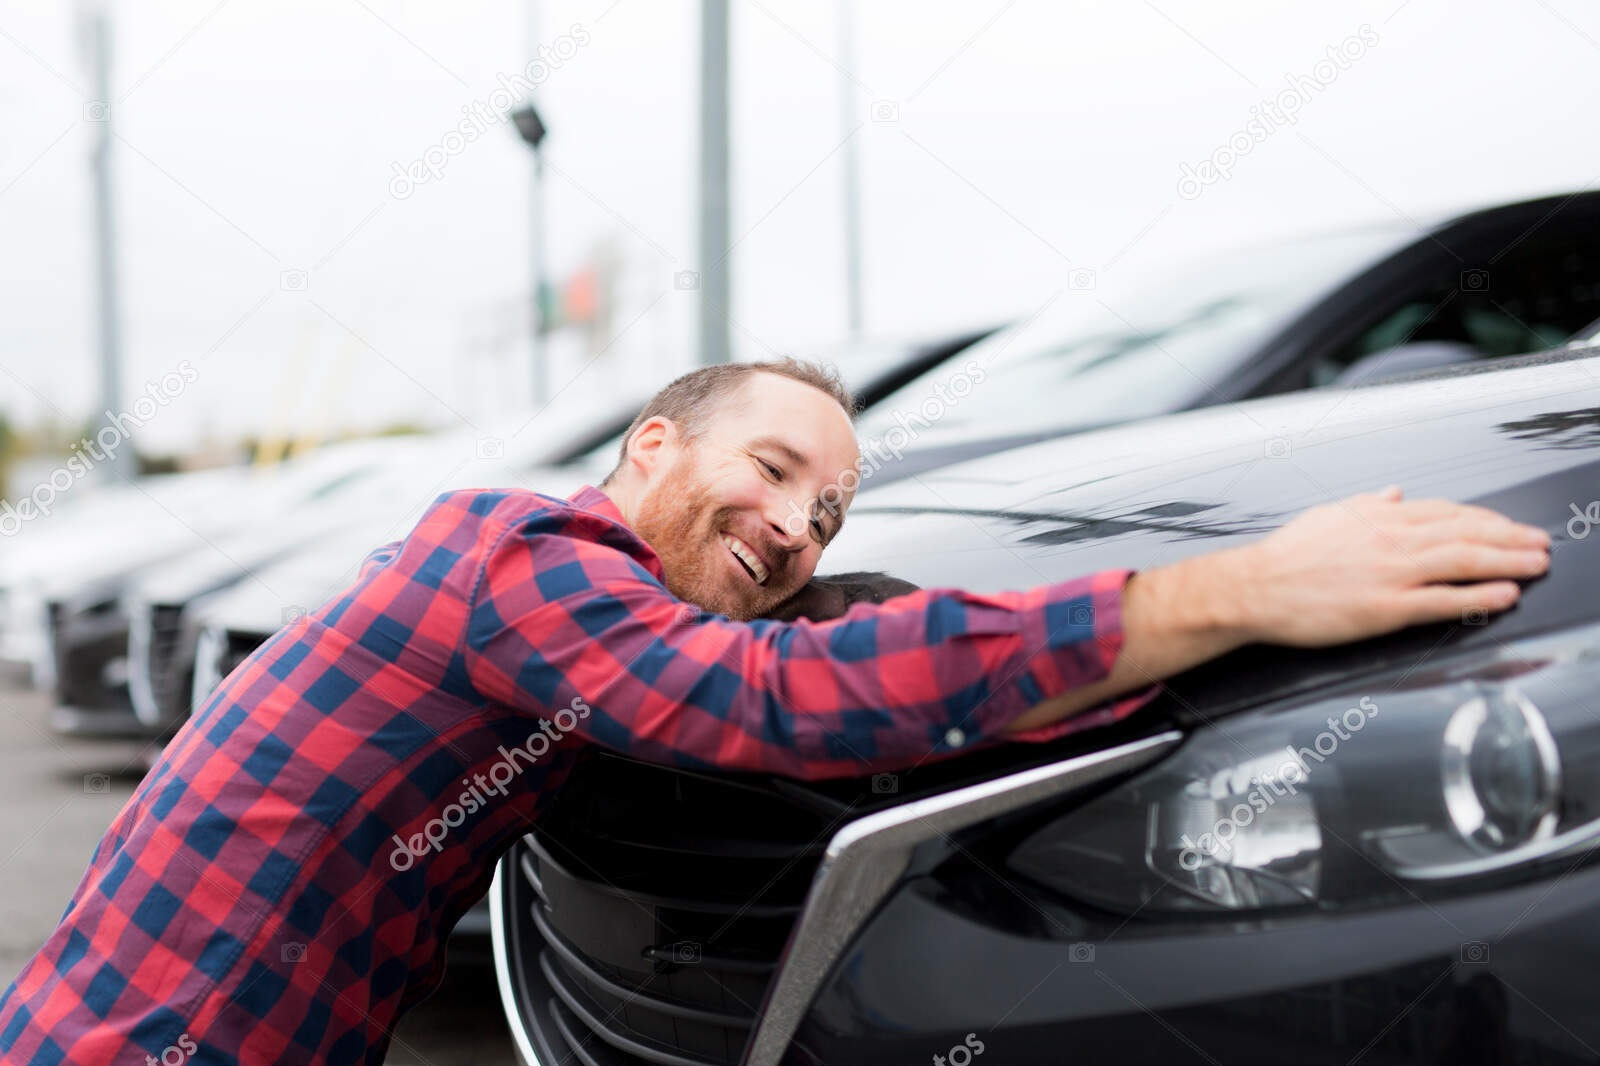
(777, 475)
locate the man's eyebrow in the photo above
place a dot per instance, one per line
(789, 451)
(794, 456)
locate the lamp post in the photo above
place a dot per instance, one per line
(95, 26)
(531, 128)
(849, 109)
(715, 207)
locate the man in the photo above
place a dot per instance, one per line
(279, 886)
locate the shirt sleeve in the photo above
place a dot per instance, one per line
(560, 618)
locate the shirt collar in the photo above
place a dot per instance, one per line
(594, 501)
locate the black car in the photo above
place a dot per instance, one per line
(1336, 308)
(1379, 852)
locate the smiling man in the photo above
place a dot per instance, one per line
(713, 474)
(279, 887)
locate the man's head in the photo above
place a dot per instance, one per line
(738, 475)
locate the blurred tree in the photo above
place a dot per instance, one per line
(159, 464)
(400, 429)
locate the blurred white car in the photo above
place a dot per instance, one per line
(69, 599)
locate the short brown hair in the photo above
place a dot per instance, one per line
(692, 399)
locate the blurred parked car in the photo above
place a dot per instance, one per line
(1158, 890)
(72, 538)
(244, 523)
(62, 577)
(1339, 308)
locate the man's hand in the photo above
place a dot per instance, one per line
(1357, 567)
(1370, 564)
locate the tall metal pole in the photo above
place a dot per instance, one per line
(849, 116)
(540, 349)
(96, 26)
(715, 230)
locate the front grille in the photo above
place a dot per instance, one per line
(644, 916)
(169, 662)
(86, 643)
(650, 908)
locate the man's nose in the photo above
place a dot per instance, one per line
(790, 524)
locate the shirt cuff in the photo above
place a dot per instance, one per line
(1085, 662)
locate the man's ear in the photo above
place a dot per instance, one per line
(650, 442)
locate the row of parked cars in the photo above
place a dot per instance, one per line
(1423, 896)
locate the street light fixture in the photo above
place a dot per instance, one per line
(529, 125)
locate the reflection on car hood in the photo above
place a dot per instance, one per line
(1524, 439)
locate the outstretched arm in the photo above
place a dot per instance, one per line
(562, 613)
(1346, 570)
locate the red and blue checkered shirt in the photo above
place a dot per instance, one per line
(279, 887)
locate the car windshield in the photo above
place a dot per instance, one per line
(1118, 351)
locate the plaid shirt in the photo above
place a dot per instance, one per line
(279, 887)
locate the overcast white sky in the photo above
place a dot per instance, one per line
(1030, 138)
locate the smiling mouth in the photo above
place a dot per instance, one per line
(747, 558)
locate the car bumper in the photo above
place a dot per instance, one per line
(1492, 977)
(100, 723)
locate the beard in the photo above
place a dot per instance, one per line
(679, 521)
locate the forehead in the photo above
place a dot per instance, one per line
(782, 411)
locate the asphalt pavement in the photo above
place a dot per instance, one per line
(59, 795)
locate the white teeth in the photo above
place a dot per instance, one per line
(739, 548)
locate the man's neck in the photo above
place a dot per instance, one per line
(622, 497)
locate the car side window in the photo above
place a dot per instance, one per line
(1535, 296)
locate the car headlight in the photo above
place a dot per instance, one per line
(1487, 768)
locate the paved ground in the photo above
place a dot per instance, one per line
(58, 796)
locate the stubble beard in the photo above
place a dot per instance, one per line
(679, 522)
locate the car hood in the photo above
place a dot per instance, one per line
(1523, 438)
